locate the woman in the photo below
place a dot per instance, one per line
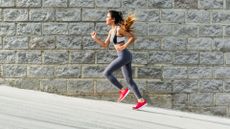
(119, 30)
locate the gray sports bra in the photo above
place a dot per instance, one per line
(116, 39)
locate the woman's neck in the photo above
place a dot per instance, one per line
(113, 26)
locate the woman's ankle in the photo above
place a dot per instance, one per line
(141, 100)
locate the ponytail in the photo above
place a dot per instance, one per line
(128, 22)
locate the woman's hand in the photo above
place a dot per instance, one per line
(94, 35)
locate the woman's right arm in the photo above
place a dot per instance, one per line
(98, 40)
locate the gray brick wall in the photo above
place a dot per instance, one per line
(181, 55)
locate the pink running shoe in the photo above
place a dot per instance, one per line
(139, 105)
(123, 94)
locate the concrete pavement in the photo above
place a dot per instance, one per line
(27, 109)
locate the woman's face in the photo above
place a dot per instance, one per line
(109, 19)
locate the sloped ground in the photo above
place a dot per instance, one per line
(26, 109)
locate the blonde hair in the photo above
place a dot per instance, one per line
(128, 23)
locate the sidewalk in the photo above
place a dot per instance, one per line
(26, 109)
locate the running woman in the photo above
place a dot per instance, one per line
(120, 29)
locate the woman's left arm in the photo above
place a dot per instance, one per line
(131, 37)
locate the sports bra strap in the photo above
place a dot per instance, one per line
(115, 31)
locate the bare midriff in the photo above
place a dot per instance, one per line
(117, 45)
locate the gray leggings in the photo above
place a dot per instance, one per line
(123, 61)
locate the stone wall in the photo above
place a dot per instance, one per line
(181, 57)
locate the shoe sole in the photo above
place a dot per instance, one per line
(124, 96)
(141, 107)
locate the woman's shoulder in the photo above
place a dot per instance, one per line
(110, 31)
(121, 30)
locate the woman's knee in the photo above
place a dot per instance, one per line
(106, 73)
